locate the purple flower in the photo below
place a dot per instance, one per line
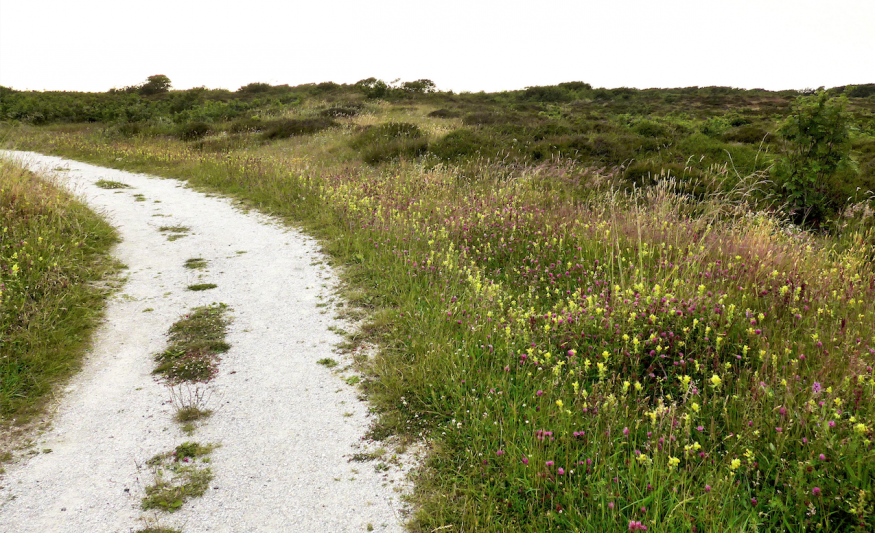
(499, 452)
(549, 463)
(561, 471)
(815, 491)
(525, 461)
(832, 423)
(815, 388)
(822, 457)
(626, 431)
(707, 488)
(539, 393)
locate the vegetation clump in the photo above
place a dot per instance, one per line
(53, 252)
(195, 341)
(180, 475)
(109, 184)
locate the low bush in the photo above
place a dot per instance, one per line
(444, 113)
(457, 145)
(344, 110)
(192, 131)
(290, 127)
(746, 135)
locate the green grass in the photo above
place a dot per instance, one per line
(195, 341)
(580, 354)
(53, 251)
(195, 263)
(327, 362)
(202, 286)
(108, 184)
(180, 475)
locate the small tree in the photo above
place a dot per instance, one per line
(818, 146)
(159, 83)
(373, 88)
(418, 86)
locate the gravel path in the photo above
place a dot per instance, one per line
(287, 426)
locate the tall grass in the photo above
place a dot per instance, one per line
(582, 358)
(52, 251)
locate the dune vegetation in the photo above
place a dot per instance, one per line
(601, 309)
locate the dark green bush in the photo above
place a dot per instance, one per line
(255, 88)
(192, 131)
(745, 134)
(862, 91)
(457, 145)
(648, 128)
(385, 133)
(444, 113)
(246, 125)
(395, 149)
(550, 93)
(290, 127)
(482, 118)
(344, 110)
(646, 173)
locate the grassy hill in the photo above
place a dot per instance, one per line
(602, 309)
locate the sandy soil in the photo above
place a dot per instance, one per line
(287, 426)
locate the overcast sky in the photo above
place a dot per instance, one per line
(463, 45)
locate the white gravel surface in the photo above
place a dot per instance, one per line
(287, 426)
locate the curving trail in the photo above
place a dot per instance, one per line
(287, 426)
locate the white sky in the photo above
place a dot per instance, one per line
(473, 45)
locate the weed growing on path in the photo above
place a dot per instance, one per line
(195, 263)
(179, 475)
(108, 184)
(202, 286)
(327, 362)
(195, 342)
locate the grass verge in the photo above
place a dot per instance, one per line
(54, 252)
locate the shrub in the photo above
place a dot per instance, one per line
(373, 88)
(418, 86)
(192, 131)
(481, 118)
(255, 88)
(443, 113)
(290, 127)
(384, 133)
(550, 93)
(745, 134)
(648, 128)
(818, 139)
(862, 91)
(247, 125)
(344, 110)
(157, 84)
(456, 145)
(395, 149)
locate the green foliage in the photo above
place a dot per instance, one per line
(53, 253)
(180, 475)
(193, 131)
(157, 84)
(418, 86)
(819, 145)
(373, 88)
(457, 145)
(290, 127)
(195, 342)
